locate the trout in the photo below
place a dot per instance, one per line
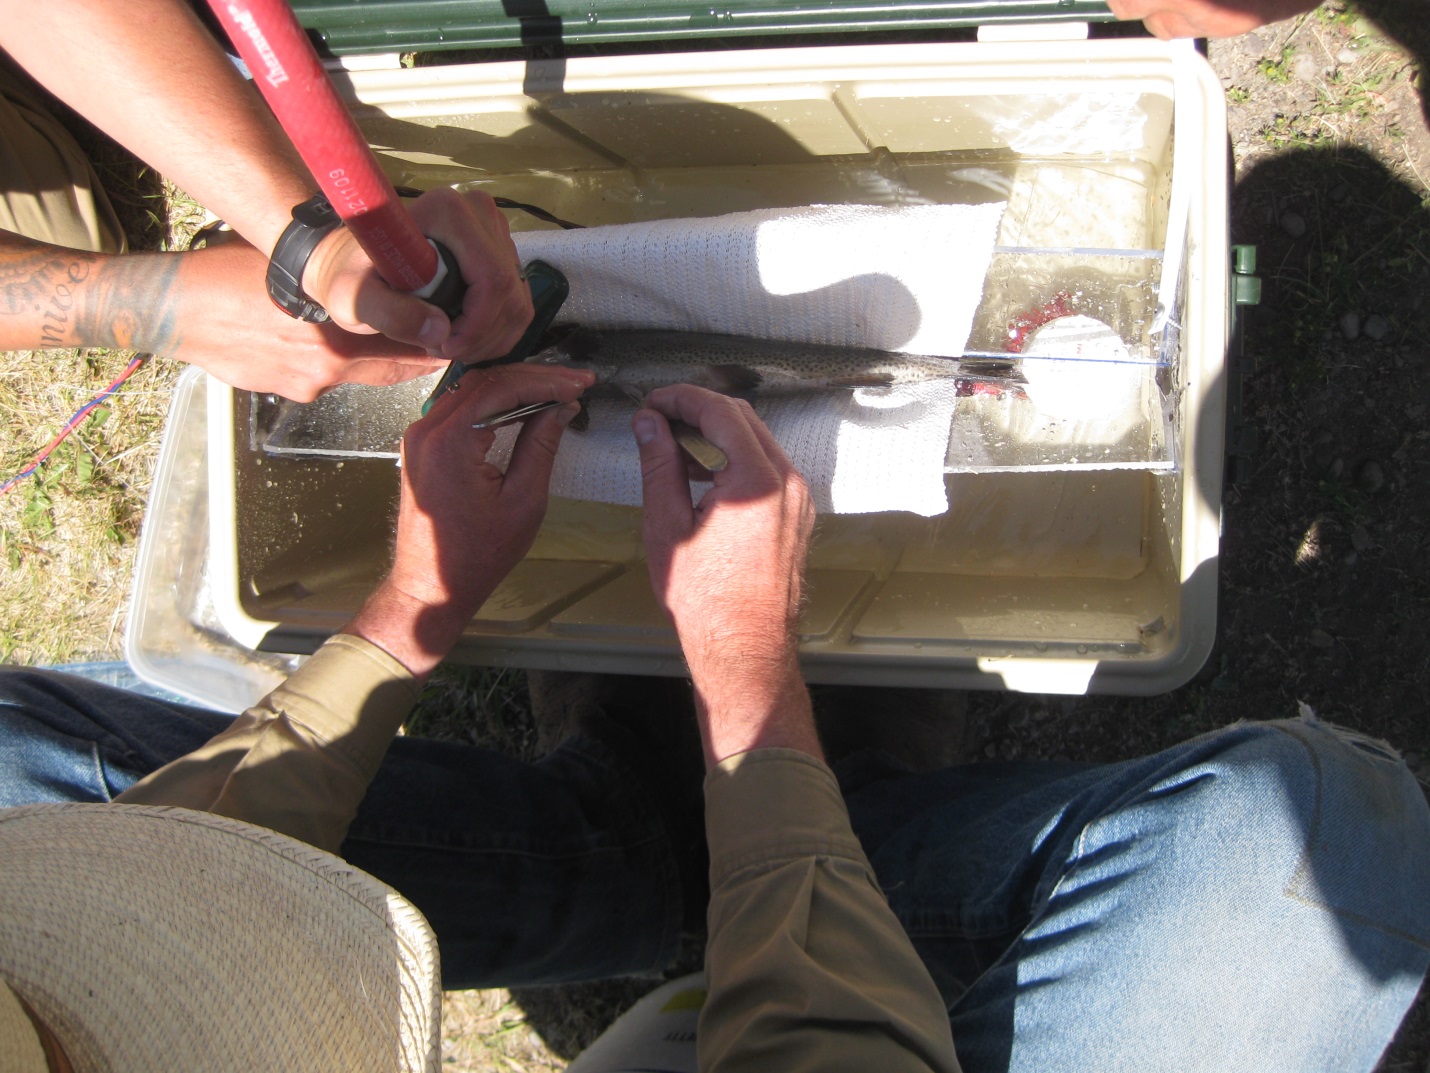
(634, 362)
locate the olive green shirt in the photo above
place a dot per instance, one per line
(807, 968)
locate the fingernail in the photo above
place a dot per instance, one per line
(645, 429)
(434, 331)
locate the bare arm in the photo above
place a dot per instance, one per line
(730, 572)
(807, 966)
(148, 73)
(1207, 18)
(208, 307)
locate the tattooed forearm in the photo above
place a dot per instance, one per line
(39, 287)
(56, 297)
(132, 304)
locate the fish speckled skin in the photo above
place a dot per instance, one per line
(634, 362)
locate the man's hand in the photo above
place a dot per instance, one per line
(496, 309)
(209, 307)
(730, 570)
(224, 321)
(463, 524)
(1206, 18)
(185, 111)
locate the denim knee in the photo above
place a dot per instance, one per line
(1346, 810)
(1251, 900)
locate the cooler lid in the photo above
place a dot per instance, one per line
(363, 26)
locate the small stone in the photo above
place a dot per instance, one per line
(1360, 538)
(1339, 191)
(1350, 325)
(1336, 468)
(1321, 639)
(1294, 224)
(1305, 67)
(1346, 55)
(1370, 477)
(1376, 327)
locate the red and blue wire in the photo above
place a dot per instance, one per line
(73, 423)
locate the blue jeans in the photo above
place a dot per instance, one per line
(1254, 899)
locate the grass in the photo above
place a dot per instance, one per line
(1277, 71)
(477, 706)
(68, 533)
(1348, 98)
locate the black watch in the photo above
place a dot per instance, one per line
(312, 221)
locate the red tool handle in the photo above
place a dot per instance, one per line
(290, 76)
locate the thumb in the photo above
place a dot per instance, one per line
(403, 317)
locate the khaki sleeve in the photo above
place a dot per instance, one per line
(807, 967)
(49, 191)
(300, 760)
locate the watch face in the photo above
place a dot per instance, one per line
(316, 212)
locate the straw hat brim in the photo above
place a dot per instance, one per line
(152, 939)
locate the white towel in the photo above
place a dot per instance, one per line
(897, 278)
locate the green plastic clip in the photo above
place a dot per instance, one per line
(549, 289)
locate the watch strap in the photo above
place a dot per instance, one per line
(313, 221)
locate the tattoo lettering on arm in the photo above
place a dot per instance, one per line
(44, 283)
(132, 304)
(51, 296)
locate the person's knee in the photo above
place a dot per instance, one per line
(1341, 776)
(1336, 815)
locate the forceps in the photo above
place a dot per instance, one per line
(692, 442)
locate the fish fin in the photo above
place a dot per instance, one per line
(862, 380)
(738, 380)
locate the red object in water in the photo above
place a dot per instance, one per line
(291, 78)
(1023, 324)
(967, 388)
